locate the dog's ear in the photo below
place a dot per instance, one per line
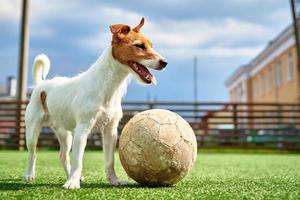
(119, 29)
(138, 27)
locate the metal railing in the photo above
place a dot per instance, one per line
(216, 124)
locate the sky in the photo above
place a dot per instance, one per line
(223, 35)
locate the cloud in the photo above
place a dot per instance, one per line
(94, 42)
(225, 37)
(9, 10)
(281, 13)
(213, 52)
(215, 37)
(180, 39)
(198, 32)
(42, 32)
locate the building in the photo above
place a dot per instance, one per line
(272, 76)
(8, 91)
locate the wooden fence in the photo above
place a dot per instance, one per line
(216, 124)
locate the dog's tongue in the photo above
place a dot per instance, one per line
(153, 80)
(143, 73)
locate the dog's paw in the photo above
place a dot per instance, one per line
(117, 182)
(72, 185)
(29, 177)
(81, 178)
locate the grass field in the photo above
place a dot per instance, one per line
(215, 176)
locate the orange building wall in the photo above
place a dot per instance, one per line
(288, 91)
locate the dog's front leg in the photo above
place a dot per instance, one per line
(109, 146)
(79, 142)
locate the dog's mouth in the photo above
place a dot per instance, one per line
(142, 72)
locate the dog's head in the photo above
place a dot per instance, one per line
(133, 49)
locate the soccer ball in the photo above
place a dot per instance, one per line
(157, 147)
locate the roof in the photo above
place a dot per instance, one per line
(274, 44)
(236, 74)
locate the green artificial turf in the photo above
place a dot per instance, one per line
(215, 176)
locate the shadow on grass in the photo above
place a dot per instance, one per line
(20, 184)
(130, 185)
(107, 186)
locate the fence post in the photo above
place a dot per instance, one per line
(235, 122)
(20, 123)
(22, 78)
(151, 105)
(279, 120)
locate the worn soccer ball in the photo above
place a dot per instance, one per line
(157, 147)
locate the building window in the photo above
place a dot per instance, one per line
(254, 85)
(270, 80)
(241, 92)
(290, 67)
(278, 74)
(262, 85)
(233, 94)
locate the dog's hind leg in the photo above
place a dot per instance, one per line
(33, 121)
(65, 141)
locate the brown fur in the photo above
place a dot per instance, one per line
(43, 97)
(123, 44)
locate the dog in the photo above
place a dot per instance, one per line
(72, 107)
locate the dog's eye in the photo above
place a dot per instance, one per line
(140, 46)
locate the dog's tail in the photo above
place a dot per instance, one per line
(41, 67)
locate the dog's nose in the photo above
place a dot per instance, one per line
(163, 63)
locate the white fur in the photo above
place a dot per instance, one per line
(153, 63)
(40, 68)
(77, 105)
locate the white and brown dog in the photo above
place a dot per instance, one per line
(72, 107)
